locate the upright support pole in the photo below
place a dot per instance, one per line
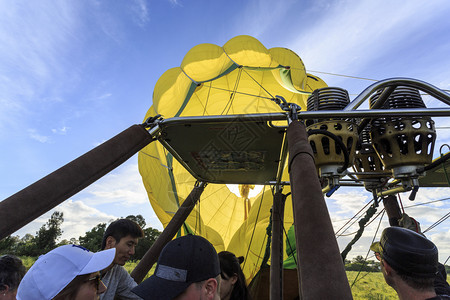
(276, 258)
(46, 193)
(392, 210)
(321, 270)
(151, 256)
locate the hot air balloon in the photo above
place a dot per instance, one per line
(241, 77)
(233, 148)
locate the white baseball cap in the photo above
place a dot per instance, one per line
(52, 272)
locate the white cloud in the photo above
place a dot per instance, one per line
(32, 133)
(118, 194)
(141, 11)
(123, 186)
(104, 96)
(61, 131)
(78, 218)
(351, 33)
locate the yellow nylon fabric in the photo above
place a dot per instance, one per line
(239, 78)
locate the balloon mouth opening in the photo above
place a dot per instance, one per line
(234, 188)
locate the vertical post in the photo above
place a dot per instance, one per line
(320, 267)
(151, 256)
(276, 259)
(392, 210)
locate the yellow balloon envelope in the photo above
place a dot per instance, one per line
(241, 77)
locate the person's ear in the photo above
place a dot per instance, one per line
(110, 242)
(210, 288)
(233, 279)
(388, 269)
(5, 289)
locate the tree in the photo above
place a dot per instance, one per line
(48, 234)
(9, 244)
(150, 236)
(360, 264)
(139, 219)
(92, 240)
(26, 246)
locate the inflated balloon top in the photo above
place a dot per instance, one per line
(241, 77)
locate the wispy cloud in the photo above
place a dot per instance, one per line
(118, 194)
(175, 2)
(350, 35)
(78, 218)
(38, 137)
(140, 10)
(61, 131)
(123, 186)
(104, 96)
(35, 40)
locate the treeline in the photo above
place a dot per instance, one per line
(47, 238)
(360, 264)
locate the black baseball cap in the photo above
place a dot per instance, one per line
(408, 252)
(183, 261)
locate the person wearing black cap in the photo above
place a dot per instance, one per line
(409, 263)
(188, 268)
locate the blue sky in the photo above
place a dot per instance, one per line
(75, 73)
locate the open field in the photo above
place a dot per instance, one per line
(370, 286)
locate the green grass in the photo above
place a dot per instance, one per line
(129, 266)
(370, 286)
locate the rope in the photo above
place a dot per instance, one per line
(269, 241)
(353, 218)
(381, 212)
(367, 255)
(290, 246)
(253, 232)
(401, 203)
(241, 93)
(443, 165)
(259, 84)
(437, 222)
(207, 98)
(369, 213)
(425, 203)
(233, 92)
(347, 76)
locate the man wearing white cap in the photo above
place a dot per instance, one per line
(69, 271)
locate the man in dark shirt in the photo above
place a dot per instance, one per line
(409, 263)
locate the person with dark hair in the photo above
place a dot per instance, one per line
(233, 285)
(123, 235)
(409, 263)
(11, 273)
(188, 268)
(69, 272)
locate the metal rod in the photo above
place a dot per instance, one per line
(317, 248)
(367, 113)
(375, 113)
(394, 82)
(391, 191)
(281, 165)
(151, 256)
(378, 104)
